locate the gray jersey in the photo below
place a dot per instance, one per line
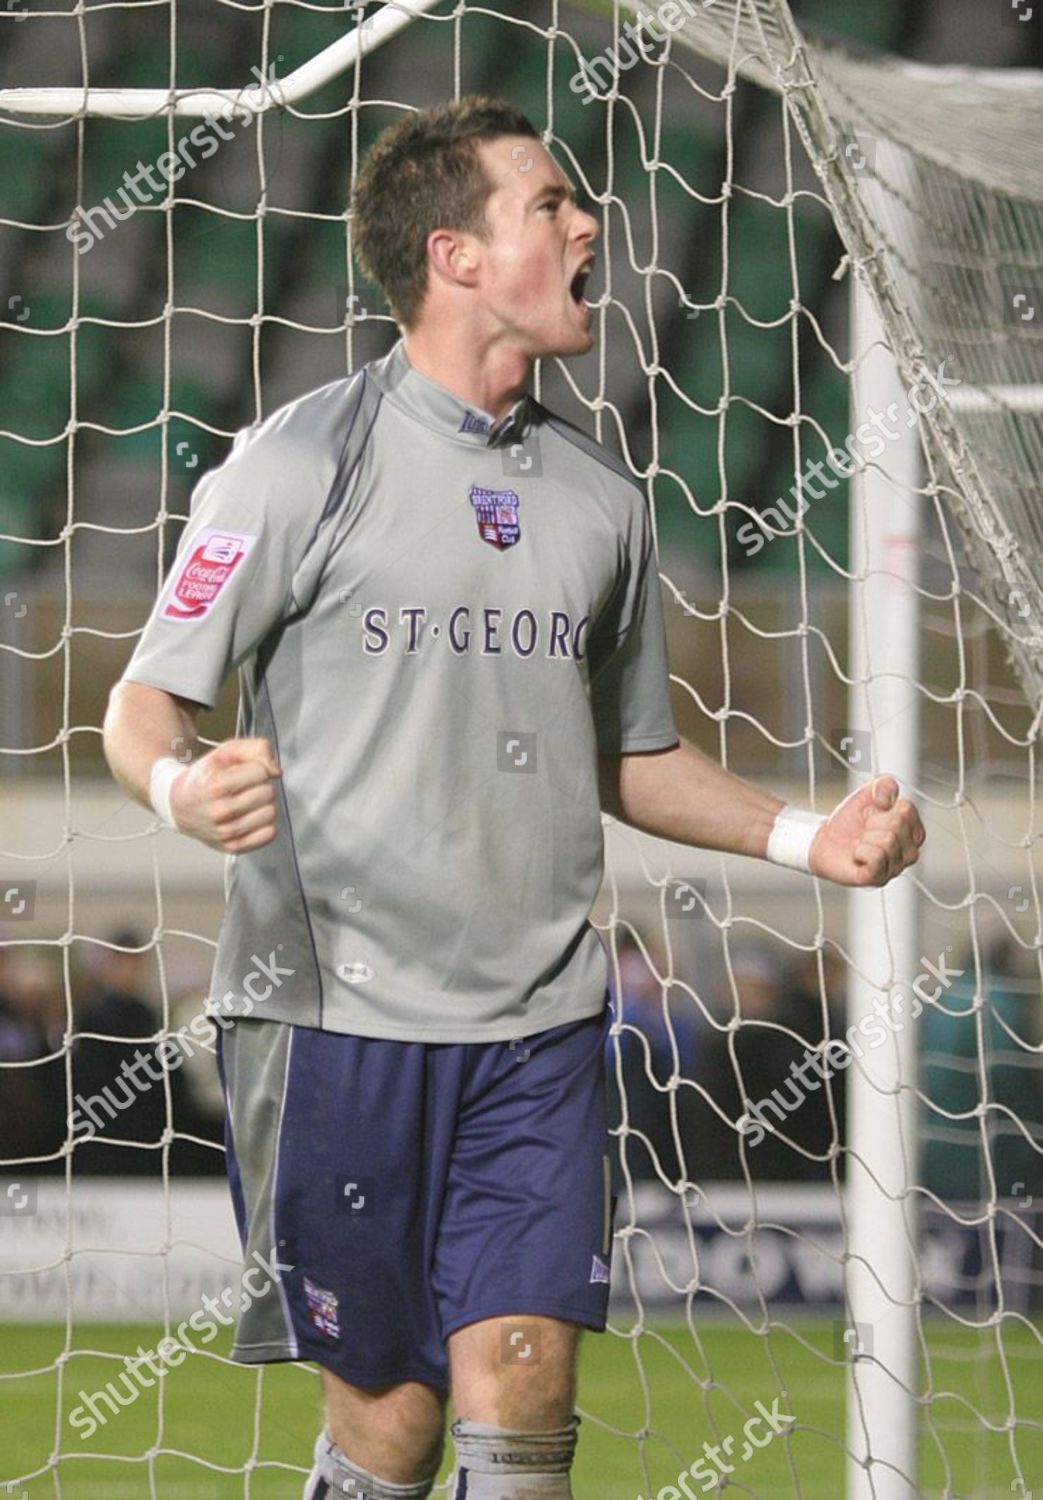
(437, 623)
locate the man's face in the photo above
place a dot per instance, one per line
(534, 265)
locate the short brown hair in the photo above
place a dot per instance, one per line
(424, 173)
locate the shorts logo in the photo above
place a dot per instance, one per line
(322, 1309)
(496, 512)
(599, 1271)
(214, 558)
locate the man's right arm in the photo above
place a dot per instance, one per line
(225, 798)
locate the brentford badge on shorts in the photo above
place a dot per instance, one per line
(214, 557)
(322, 1308)
(497, 514)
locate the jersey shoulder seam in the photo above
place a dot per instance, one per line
(587, 445)
(341, 481)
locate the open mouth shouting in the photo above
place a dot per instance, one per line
(578, 285)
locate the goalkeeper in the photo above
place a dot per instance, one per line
(443, 606)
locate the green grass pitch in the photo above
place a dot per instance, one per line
(667, 1383)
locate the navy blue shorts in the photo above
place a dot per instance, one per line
(409, 1188)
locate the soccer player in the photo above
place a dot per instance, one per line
(443, 605)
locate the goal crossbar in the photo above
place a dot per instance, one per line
(246, 100)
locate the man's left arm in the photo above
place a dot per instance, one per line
(682, 795)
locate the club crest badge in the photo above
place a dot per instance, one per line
(496, 512)
(197, 585)
(322, 1309)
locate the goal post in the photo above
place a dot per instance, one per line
(883, 1137)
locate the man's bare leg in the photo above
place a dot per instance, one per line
(382, 1443)
(514, 1393)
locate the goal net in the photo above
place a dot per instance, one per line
(819, 317)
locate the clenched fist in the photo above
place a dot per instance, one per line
(870, 837)
(227, 798)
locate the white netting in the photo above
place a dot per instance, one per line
(722, 369)
(946, 227)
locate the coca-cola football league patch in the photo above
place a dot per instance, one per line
(213, 558)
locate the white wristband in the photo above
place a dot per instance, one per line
(789, 842)
(164, 773)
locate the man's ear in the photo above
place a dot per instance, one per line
(453, 256)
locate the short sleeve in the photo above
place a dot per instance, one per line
(249, 557)
(629, 674)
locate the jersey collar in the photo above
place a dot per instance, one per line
(436, 407)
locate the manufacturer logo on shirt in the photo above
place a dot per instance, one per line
(474, 423)
(496, 512)
(599, 1271)
(213, 558)
(355, 973)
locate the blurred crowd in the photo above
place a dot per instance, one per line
(685, 1066)
(98, 1069)
(689, 1132)
(107, 1090)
